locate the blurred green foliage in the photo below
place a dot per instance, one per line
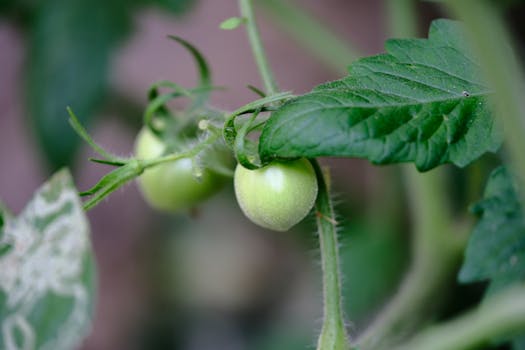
(372, 264)
(70, 46)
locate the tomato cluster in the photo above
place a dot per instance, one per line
(174, 186)
(276, 196)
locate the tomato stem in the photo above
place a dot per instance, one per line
(259, 54)
(333, 334)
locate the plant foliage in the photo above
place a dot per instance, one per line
(422, 102)
(46, 271)
(496, 249)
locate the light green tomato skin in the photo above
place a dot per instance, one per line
(172, 187)
(277, 196)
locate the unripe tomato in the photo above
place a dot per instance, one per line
(172, 186)
(277, 196)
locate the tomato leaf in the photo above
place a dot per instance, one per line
(422, 102)
(47, 271)
(496, 249)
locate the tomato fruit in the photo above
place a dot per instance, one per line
(173, 186)
(276, 196)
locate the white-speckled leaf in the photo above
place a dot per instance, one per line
(46, 271)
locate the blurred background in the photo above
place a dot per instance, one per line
(210, 280)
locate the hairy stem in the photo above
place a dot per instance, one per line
(492, 44)
(270, 85)
(501, 316)
(336, 52)
(333, 334)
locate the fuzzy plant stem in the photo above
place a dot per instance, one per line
(492, 45)
(270, 85)
(333, 334)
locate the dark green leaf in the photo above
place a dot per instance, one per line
(496, 249)
(422, 102)
(47, 279)
(69, 50)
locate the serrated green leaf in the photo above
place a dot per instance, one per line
(47, 279)
(496, 248)
(422, 102)
(70, 43)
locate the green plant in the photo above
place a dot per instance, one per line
(278, 195)
(447, 99)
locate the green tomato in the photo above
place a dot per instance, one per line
(173, 186)
(277, 196)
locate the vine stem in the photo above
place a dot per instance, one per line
(333, 334)
(259, 54)
(493, 47)
(500, 316)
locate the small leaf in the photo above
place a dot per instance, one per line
(47, 278)
(496, 249)
(203, 69)
(111, 182)
(82, 132)
(422, 102)
(232, 23)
